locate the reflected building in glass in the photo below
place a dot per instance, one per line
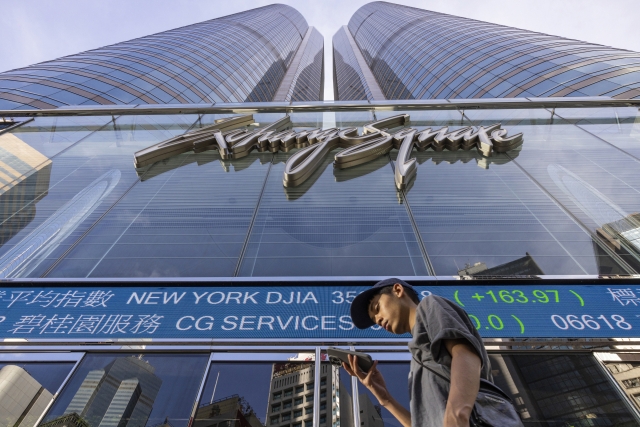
(24, 179)
(390, 51)
(22, 399)
(560, 390)
(291, 397)
(230, 411)
(263, 54)
(625, 369)
(121, 394)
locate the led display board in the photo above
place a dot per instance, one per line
(313, 312)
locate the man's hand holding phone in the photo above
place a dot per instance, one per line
(372, 379)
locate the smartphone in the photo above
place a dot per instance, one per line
(337, 356)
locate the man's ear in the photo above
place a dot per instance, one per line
(398, 290)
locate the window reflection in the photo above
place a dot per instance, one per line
(560, 390)
(26, 176)
(336, 402)
(26, 389)
(625, 369)
(274, 394)
(257, 395)
(339, 223)
(130, 390)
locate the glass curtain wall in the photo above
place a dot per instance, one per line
(420, 54)
(348, 81)
(308, 81)
(237, 58)
(277, 387)
(565, 203)
(130, 389)
(82, 169)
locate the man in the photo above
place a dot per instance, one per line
(442, 333)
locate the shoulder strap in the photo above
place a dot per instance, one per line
(437, 372)
(484, 384)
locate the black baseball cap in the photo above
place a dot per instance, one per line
(360, 305)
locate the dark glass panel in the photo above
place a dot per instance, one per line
(143, 389)
(256, 393)
(560, 390)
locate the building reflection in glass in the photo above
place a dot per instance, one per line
(230, 411)
(291, 396)
(24, 179)
(128, 390)
(22, 398)
(25, 256)
(119, 395)
(282, 392)
(525, 266)
(620, 230)
(560, 390)
(625, 369)
(235, 395)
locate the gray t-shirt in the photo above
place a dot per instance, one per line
(437, 320)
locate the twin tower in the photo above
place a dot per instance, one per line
(271, 54)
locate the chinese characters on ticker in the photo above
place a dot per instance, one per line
(256, 312)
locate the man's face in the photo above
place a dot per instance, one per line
(388, 311)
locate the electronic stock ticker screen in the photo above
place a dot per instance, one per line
(309, 312)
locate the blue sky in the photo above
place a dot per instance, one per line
(38, 30)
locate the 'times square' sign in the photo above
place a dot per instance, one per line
(232, 140)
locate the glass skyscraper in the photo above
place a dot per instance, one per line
(420, 54)
(264, 54)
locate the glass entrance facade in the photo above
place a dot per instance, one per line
(286, 388)
(564, 203)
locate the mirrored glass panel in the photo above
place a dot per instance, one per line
(187, 216)
(56, 199)
(50, 135)
(561, 390)
(27, 389)
(625, 370)
(258, 393)
(619, 126)
(340, 222)
(336, 397)
(534, 195)
(564, 203)
(130, 389)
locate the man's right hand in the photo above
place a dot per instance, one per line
(373, 379)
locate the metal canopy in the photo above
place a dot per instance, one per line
(300, 107)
